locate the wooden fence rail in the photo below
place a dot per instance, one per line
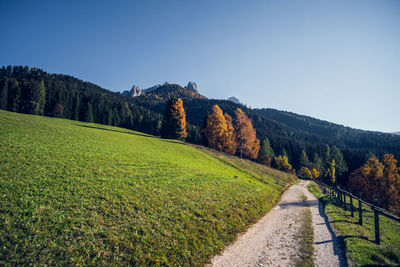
(341, 194)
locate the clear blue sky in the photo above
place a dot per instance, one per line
(334, 60)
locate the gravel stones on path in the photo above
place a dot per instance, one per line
(273, 241)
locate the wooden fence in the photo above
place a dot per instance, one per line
(341, 195)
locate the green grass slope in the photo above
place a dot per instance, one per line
(361, 249)
(80, 193)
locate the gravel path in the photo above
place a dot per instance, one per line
(273, 241)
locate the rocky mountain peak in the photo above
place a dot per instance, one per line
(192, 86)
(234, 100)
(135, 91)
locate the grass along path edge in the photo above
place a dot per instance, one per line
(359, 242)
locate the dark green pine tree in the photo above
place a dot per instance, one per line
(86, 111)
(327, 160)
(340, 163)
(317, 163)
(40, 98)
(75, 107)
(266, 153)
(3, 93)
(171, 125)
(33, 97)
(107, 119)
(126, 116)
(304, 161)
(89, 112)
(14, 95)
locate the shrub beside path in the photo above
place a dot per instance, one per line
(274, 240)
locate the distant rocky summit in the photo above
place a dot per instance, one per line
(165, 88)
(234, 100)
(192, 86)
(135, 91)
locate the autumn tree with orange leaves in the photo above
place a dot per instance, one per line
(174, 121)
(230, 144)
(248, 143)
(378, 181)
(215, 130)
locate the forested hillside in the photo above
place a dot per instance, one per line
(33, 91)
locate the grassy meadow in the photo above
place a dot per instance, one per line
(74, 193)
(361, 248)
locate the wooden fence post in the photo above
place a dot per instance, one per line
(360, 221)
(377, 234)
(351, 206)
(344, 197)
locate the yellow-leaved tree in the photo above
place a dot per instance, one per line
(215, 129)
(248, 143)
(331, 172)
(174, 121)
(281, 162)
(391, 183)
(230, 144)
(378, 182)
(305, 172)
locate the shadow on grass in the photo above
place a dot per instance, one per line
(339, 246)
(134, 133)
(343, 221)
(172, 141)
(117, 131)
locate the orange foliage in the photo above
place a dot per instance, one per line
(230, 144)
(391, 178)
(249, 144)
(174, 121)
(377, 181)
(180, 114)
(215, 130)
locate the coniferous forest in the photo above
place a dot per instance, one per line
(305, 141)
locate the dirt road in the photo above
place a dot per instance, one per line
(273, 241)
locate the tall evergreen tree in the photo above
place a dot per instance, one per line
(3, 93)
(14, 95)
(266, 153)
(126, 116)
(86, 111)
(317, 162)
(304, 161)
(340, 163)
(33, 97)
(327, 157)
(75, 107)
